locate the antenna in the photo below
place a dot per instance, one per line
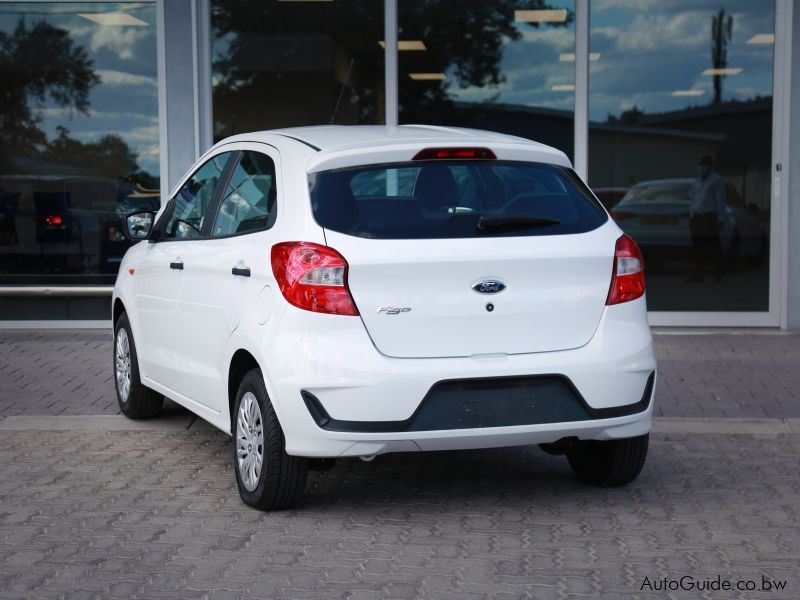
(341, 92)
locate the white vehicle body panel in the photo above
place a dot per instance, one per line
(189, 324)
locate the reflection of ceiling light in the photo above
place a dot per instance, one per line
(426, 76)
(541, 16)
(113, 19)
(563, 88)
(406, 45)
(688, 92)
(723, 71)
(570, 56)
(762, 38)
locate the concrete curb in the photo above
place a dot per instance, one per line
(176, 422)
(188, 422)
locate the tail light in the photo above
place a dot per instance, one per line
(622, 215)
(627, 277)
(49, 220)
(313, 277)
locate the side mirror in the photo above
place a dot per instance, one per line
(138, 225)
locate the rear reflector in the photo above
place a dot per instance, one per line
(627, 276)
(622, 215)
(455, 154)
(313, 277)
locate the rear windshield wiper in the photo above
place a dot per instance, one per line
(489, 223)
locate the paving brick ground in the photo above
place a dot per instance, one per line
(731, 374)
(155, 514)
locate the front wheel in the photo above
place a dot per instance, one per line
(609, 462)
(135, 400)
(267, 477)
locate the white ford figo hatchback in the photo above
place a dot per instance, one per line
(335, 291)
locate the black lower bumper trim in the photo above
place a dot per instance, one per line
(489, 402)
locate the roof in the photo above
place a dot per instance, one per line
(341, 146)
(332, 138)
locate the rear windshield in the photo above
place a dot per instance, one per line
(453, 199)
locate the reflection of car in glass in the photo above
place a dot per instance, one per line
(609, 196)
(656, 214)
(66, 225)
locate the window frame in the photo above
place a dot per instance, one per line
(164, 218)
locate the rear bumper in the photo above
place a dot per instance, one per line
(336, 395)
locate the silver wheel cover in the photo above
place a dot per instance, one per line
(122, 364)
(249, 441)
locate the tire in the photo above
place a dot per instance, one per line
(609, 463)
(135, 400)
(274, 480)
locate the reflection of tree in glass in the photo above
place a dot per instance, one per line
(721, 34)
(465, 39)
(38, 62)
(263, 57)
(108, 156)
(41, 62)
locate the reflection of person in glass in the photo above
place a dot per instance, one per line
(706, 217)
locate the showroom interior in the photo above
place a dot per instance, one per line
(105, 105)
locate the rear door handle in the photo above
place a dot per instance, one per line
(176, 265)
(243, 272)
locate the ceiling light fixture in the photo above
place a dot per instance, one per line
(723, 71)
(114, 19)
(762, 38)
(570, 57)
(563, 87)
(688, 92)
(541, 16)
(426, 76)
(409, 45)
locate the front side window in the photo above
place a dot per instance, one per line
(453, 199)
(248, 203)
(190, 204)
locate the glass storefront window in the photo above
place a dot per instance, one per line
(497, 65)
(680, 137)
(78, 137)
(283, 64)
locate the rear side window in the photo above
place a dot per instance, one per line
(453, 199)
(248, 203)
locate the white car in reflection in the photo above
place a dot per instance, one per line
(656, 215)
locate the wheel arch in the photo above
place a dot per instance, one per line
(117, 310)
(242, 361)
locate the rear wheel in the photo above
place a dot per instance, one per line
(610, 462)
(135, 400)
(267, 477)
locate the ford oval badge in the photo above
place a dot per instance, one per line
(489, 286)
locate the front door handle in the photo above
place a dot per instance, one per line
(176, 265)
(242, 272)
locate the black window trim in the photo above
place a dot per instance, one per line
(272, 217)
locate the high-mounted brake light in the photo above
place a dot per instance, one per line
(454, 154)
(627, 276)
(313, 277)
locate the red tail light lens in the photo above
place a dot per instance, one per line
(313, 277)
(627, 277)
(454, 154)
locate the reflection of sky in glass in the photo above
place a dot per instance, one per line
(126, 100)
(651, 49)
(533, 67)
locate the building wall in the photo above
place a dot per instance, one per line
(793, 284)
